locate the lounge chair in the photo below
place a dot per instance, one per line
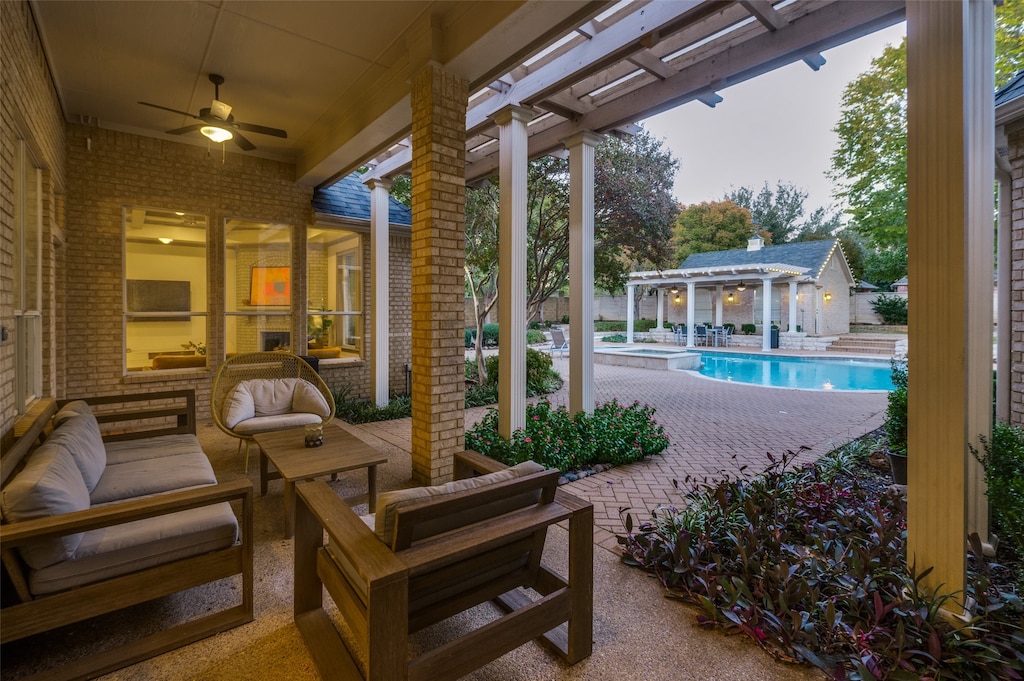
(558, 342)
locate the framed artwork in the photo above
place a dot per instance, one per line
(270, 286)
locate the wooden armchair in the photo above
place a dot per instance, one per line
(448, 554)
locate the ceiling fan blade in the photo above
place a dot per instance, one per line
(261, 129)
(245, 144)
(166, 108)
(182, 131)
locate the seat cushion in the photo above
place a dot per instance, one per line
(152, 476)
(49, 485)
(121, 549)
(265, 424)
(79, 433)
(389, 502)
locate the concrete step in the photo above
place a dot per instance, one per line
(865, 350)
(870, 344)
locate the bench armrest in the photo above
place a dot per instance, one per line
(469, 463)
(133, 408)
(16, 534)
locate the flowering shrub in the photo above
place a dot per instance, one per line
(614, 434)
(812, 567)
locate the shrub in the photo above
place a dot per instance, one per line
(565, 319)
(614, 338)
(748, 329)
(812, 567)
(892, 309)
(364, 411)
(535, 336)
(613, 434)
(896, 412)
(540, 377)
(604, 326)
(730, 326)
(1003, 459)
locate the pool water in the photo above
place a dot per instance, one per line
(807, 373)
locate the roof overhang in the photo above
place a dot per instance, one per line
(724, 274)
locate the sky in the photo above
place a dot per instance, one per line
(774, 127)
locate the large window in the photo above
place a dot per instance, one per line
(257, 287)
(165, 294)
(334, 325)
(776, 305)
(27, 271)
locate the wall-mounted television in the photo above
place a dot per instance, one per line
(270, 286)
(155, 295)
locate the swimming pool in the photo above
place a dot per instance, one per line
(806, 373)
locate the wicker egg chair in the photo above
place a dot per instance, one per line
(261, 365)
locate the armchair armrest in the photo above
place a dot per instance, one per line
(16, 534)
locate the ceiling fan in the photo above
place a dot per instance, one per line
(217, 122)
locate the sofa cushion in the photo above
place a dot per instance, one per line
(70, 409)
(265, 424)
(152, 448)
(140, 478)
(50, 484)
(308, 399)
(389, 502)
(80, 435)
(111, 551)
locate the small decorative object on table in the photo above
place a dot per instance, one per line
(315, 435)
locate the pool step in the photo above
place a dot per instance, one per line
(866, 344)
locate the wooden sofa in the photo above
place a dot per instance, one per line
(154, 522)
(448, 549)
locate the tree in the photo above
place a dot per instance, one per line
(714, 226)
(633, 217)
(777, 212)
(1009, 41)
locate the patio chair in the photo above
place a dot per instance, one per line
(700, 335)
(558, 342)
(725, 335)
(680, 333)
(259, 392)
(435, 552)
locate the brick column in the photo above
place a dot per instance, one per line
(438, 252)
(380, 353)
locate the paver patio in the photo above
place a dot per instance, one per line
(708, 422)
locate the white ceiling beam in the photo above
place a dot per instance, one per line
(710, 98)
(771, 19)
(653, 65)
(828, 27)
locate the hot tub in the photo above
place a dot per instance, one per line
(646, 358)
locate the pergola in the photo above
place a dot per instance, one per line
(454, 96)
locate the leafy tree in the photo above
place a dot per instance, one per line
(883, 266)
(714, 226)
(1009, 40)
(777, 212)
(824, 223)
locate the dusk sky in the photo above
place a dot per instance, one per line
(774, 127)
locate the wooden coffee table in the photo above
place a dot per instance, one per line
(295, 462)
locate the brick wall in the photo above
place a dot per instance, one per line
(28, 110)
(1016, 158)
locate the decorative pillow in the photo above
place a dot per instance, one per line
(238, 406)
(49, 485)
(389, 502)
(272, 396)
(70, 409)
(308, 400)
(80, 435)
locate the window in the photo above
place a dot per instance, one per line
(257, 286)
(27, 272)
(776, 305)
(165, 292)
(334, 325)
(702, 312)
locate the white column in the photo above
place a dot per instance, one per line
(766, 314)
(718, 305)
(512, 154)
(950, 123)
(691, 313)
(380, 354)
(630, 290)
(661, 309)
(792, 306)
(581, 271)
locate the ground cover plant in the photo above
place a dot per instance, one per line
(810, 564)
(614, 434)
(1003, 459)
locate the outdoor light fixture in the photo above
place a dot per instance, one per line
(741, 287)
(678, 298)
(828, 296)
(675, 291)
(165, 240)
(730, 297)
(216, 134)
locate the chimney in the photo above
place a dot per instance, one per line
(755, 243)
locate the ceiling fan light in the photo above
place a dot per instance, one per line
(165, 240)
(216, 134)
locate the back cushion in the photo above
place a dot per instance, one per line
(309, 400)
(50, 484)
(259, 397)
(70, 409)
(389, 502)
(80, 435)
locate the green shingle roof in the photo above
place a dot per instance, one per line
(809, 254)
